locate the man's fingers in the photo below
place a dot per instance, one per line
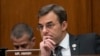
(51, 41)
(49, 45)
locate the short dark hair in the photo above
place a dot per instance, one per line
(19, 29)
(58, 10)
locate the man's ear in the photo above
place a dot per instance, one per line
(33, 41)
(64, 25)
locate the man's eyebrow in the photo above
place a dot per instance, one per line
(24, 44)
(39, 24)
(46, 23)
(15, 45)
(49, 22)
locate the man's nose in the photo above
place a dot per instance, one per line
(20, 48)
(44, 29)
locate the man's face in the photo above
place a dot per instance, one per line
(23, 42)
(50, 27)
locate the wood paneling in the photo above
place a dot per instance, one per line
(96, 16)
(15, 11)
(79, 16)
(83, 16)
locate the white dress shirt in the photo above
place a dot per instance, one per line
(65, 44)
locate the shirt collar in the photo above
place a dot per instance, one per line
(65, 42)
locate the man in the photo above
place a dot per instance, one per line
(52, 26)
(22, 37)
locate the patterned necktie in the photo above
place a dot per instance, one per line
(58, 51)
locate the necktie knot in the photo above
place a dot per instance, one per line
(58, 51)
(58, 48)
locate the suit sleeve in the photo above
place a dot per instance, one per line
(98, 44)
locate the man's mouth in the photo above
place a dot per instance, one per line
(47, 37)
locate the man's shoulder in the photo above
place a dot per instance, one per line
(88, 35)
(88, 38)
(89, 41)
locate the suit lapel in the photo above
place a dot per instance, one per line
(74, 45)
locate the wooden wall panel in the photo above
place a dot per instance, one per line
(96, 16)
(15, 11)
(79, 16)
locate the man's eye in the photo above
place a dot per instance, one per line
(40, 27)
(49, 25)
(16, 47)
(24, 46)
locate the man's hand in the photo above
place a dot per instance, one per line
(46, 46)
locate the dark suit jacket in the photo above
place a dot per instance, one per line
(86, 44)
